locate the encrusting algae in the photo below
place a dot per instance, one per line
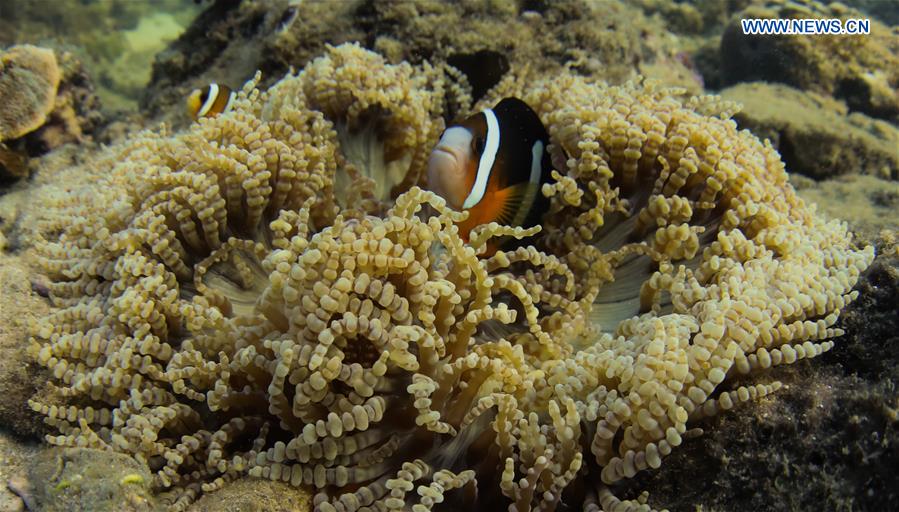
(224, 308)
(29, 76)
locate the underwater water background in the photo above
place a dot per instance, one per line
(829, 104)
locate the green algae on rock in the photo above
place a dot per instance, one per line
(815, 134)
(29, 77)
(115, 39)
(861, 70)
(48, 101)
(223, 311)
(65, 479)
(229, 41)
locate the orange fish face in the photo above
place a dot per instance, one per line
(194, 102)
(492, 166)
(452, 166)
(210, 101)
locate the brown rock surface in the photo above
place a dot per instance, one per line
(230, 40)
(64, 480)
(29, 77)
(255, 495)
(829, 440)
(862, 70)
(869, 204)
(20, 302)
(14, 457)
(74, 116)
(815, 134)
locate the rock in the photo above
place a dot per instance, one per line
(867, 203)
(71, 115)
(29, 77)
(814, 134)
(255, 495)
(115, 39)
(67, 479)
(21, 487)
(886, 11)
(230, 40)
(861, 70)
(76, 113)
(15, 456)
(829, 440)
(19, 303)
(13, 164)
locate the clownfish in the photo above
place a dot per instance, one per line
(210, 101)
(493, 165)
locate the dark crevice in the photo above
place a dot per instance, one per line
(788, 155)
(483, 68)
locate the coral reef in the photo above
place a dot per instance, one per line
(858, 69)
(829, 441)
(697, 17)
(115, 39)
(29, 77)
(229, 41)
(541, 35)
(68, 479)
(76, 115)
(815, 135)
(224, 308)
(15, 495)
(18, 380)
(867, 203)
(127, 75)
(887, 12)
(71, 114)
(256, 495)
(12, 163)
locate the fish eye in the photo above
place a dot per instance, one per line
(478, 143)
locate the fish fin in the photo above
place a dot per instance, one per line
(513, 200)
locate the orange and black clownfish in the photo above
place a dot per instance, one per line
(493, 165)
(210, 101)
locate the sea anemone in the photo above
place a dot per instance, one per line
(223, 310)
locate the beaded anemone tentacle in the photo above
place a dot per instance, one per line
(703, 260)
(238, 300)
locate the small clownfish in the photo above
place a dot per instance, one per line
(210, 101)
(493, 165)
